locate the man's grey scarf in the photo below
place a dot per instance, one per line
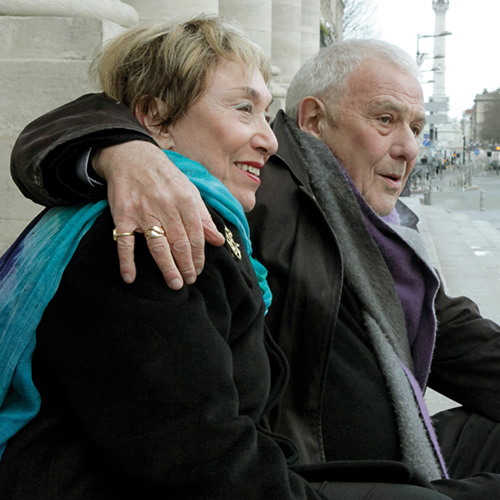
(370, 279)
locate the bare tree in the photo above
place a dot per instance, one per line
(359, 19)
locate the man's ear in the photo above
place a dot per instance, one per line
(152, 120)
(312, 116)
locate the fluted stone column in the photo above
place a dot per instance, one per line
(164, 9)
(254, 17)
(311, 14)
(286, 37)
(45, 51)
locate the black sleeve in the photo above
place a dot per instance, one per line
(43, 161)
(466, 362)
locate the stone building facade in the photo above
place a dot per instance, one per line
(484, 103)
(46, 47)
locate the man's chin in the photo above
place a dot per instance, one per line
(384, 208)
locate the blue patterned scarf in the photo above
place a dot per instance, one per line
(30, 273)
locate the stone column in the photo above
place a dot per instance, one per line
(111, 10)
(286, 37)
(164, 9)
(253, 16)
(45, 51)
(311, 14)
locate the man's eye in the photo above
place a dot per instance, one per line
(416, 131)
(385, 120)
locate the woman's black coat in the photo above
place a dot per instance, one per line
(152, 393)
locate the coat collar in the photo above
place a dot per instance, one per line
(286, 151)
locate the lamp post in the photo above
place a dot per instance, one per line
(421, 56)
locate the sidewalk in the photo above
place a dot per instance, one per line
(466, 253)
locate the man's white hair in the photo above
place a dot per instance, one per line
(325, 75)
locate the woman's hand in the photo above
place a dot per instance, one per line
(146, 189)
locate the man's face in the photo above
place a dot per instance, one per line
(375, 131)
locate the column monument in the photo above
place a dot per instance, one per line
(440, 8)
(447, 134)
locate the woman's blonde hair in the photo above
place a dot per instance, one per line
(172, 61)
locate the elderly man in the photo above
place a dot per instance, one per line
(357, 308)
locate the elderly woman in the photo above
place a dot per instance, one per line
(148, 392)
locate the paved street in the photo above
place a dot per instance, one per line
(468, 201)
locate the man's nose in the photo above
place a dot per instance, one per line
(405, 144)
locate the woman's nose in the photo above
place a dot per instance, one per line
(265, 139)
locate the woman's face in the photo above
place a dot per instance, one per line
(227, 130)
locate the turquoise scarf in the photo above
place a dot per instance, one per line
(217, 196)
(30, 272)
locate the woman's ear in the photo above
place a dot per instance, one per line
(311, 116)
(152, 120)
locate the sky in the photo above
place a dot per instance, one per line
(472, 51)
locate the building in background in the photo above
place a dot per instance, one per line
(46, 47)
(481, 126)
(486, 106)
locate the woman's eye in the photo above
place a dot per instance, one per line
(247, 107)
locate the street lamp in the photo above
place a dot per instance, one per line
(420, 57)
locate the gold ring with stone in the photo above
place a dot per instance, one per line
(154, 232)
(117, 235)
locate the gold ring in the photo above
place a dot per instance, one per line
(154, 232)
(117, 235)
